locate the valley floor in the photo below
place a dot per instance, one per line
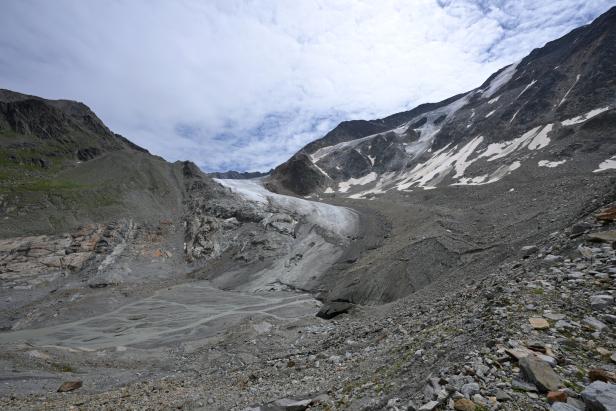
(182, 343)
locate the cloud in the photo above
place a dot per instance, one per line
(244, 84)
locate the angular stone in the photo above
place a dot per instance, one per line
(464, 404)
(287, 404)
(554, 316)
(539, 323)
(603, 236)
(601, 301)
(70, 386)
(521, 385)
(502, 396)
(599, 374)
(540, 373)
(600, 396)
(594, 323)
(469, 389)
(528, 250)
(561, 406)
(556, 396)
(431, 406)
(76, 261)
(609, 214)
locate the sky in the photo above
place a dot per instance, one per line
(244, 84)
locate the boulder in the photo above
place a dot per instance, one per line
(599, 374)
(603, 236)
(608, 214)
(562, 406)
(600, 396)
(464, 404)
(430, 406)
(333, 309)
(540, 373)
(528, 250)
(601, 301)
(70, 386)
(469, 389)
(556, 396)
(593, 323)
(539, 323)
(580, 228)
(286, 404)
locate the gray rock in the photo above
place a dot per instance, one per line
(540, 373)
(286, 404)
(574, 402)
(522, 385)
(502, 395)
(470, 389)
(580, 228)
(528, 250)
(600, 396)
(576, 275)
(563, 406)
(601, 301)
(550, 258)
(431, 406)
(594, 323)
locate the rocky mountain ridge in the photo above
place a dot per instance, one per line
(554, 106)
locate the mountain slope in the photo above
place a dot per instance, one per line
(554, 107)
(465, 182)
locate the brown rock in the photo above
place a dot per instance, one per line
(598, 374)
(76, 261)
(464, 404)
(539, 323)
(603, 236)
(556, 396)
(609, 214)
(70, 386)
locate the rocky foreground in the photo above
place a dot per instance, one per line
(537, 333)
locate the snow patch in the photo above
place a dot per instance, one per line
(344, 186)
(529, 85)
(321, 170)
(440, 165)
(583, 117)
(534, 139)
(541, 140)
(577, 78)
(494, 100)
(500, 80)
(490, 113)
(551, 164)
(609, 164)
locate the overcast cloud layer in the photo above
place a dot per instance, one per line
(244, 84)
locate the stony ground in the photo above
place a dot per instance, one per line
(536, 330)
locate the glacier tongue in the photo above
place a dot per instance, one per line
(341, 221)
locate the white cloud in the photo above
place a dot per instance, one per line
(244, 84)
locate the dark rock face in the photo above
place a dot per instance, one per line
(58, 128)
(299, 175)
